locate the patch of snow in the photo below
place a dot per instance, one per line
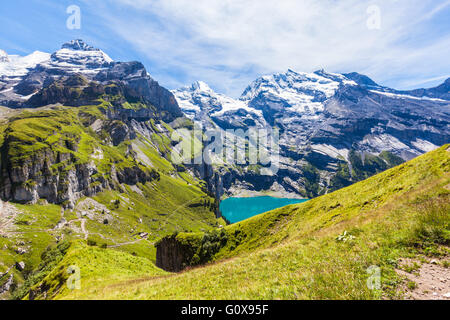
(229, 104)
(3, 56)
(7, 90)
(331, 151)
(405, 96)
(424, 145)
(18, 66)
(25, 98)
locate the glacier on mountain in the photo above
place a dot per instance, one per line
(14, 66)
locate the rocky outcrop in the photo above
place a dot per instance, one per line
(119, 132)
(179, 251)
(60, 177)
(139, 86)
(6, 287)
(6, 281)
(172, 255)
(27, 184)
(20, 266)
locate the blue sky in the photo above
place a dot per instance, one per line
(229, 43)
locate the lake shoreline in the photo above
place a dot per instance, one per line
(268, 193)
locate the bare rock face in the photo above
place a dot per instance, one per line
(175, 253)
(138, 85)
(171, 255)
(119, 132)
(34, 179)
(66, 188)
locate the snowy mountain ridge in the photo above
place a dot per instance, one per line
(326, 120)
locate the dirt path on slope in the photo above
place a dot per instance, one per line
(125, 243)
(430, 281)
(8, 214)
(166, 221)
(83, 229)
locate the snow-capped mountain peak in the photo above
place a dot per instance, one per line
(199, 98)
(298, 83)
(298, 92)
(22, 77)
(192, 98)
(78, 56)
(78, 45)
(201, 86)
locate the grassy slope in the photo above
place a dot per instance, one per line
(292, 253)
(96, 266)
(162, 205)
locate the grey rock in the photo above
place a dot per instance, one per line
(7, 285)
(20, 266)
(21, 251)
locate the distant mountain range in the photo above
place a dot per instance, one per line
(336, 129)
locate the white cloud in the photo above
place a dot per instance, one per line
(227, 43)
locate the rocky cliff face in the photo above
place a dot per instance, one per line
(61, 169)
(171, 255)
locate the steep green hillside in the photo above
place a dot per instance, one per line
(96, 264)
(320, 249)
(77, 180)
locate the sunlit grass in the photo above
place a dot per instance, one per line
(293, 252)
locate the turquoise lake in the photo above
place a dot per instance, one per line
(238, 209)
